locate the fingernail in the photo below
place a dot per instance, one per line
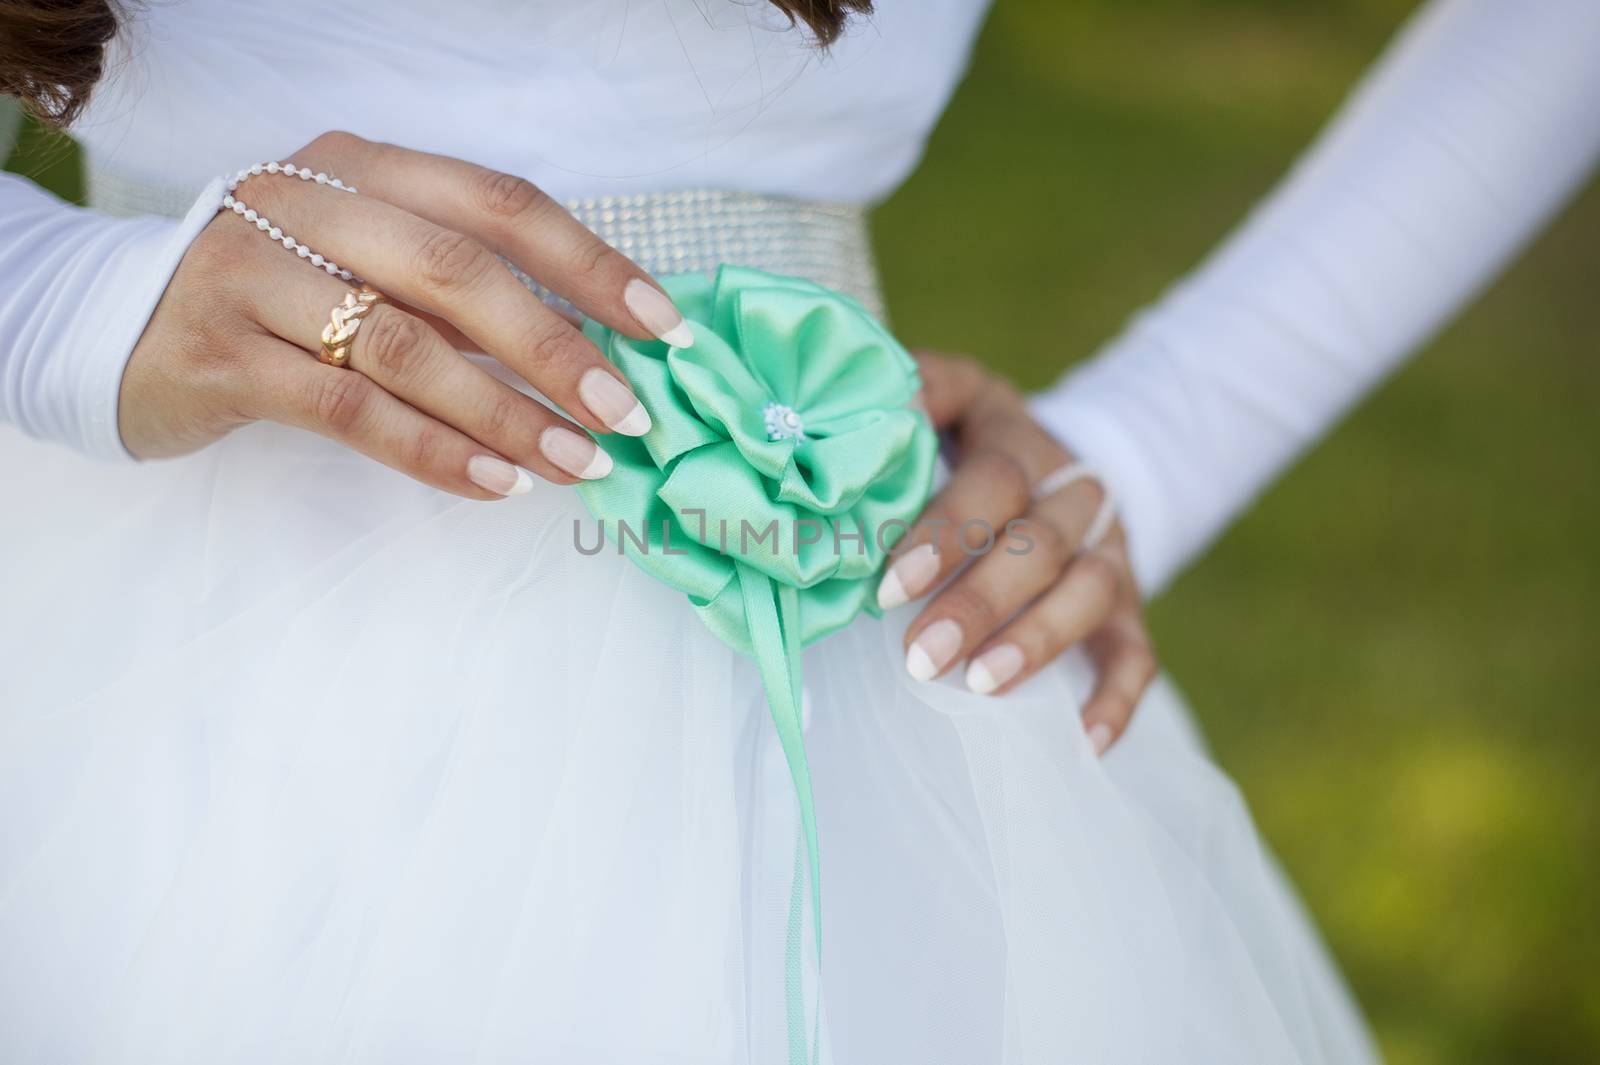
(909, 577)
(656, 313)
(578, 455)
(1100, 737)
(994, 667)
(498, 476)
(932, 650)
(613, 402)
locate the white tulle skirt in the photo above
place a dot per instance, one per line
(302, 762)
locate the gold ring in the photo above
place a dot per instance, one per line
(344, 322)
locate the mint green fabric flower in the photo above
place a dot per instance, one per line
(783, 462)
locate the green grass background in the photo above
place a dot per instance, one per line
(1395, 652)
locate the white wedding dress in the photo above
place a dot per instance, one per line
(301, 761)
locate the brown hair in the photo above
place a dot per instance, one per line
(52, 52)
(825, 18)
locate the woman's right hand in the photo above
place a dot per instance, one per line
(235, 337)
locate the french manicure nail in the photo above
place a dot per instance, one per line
(933, 649)
(657, 313)
(909, 577)
(613, 402)
(994, 667)
(498, 476)
(578, 455)
(1100, 737)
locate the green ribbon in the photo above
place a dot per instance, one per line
(783, 462)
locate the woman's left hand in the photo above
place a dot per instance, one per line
(1037, 589)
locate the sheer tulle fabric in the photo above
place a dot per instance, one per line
(300, 761)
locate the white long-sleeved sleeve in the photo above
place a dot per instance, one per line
(1479, 122)
(76, 289)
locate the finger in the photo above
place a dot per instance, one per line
(949, 386)
(986, 491)
(1004, 456)
(1027, 556)
(1073, 608)
(410, 360)
(445, 273)
(348, 407)
(516, 219)
(463, 343)
(1126, 666)
(1024, 561)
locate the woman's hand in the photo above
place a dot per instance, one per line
(235, 337)
(1010, 612)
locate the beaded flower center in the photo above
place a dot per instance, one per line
(783, 423)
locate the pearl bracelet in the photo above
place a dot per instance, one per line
(230, 202)
(1071, 474)
(288, 170)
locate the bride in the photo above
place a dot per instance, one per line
(310, 757)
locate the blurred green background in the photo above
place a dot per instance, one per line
(1394, 652)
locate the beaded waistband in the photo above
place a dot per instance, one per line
(688, 231)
